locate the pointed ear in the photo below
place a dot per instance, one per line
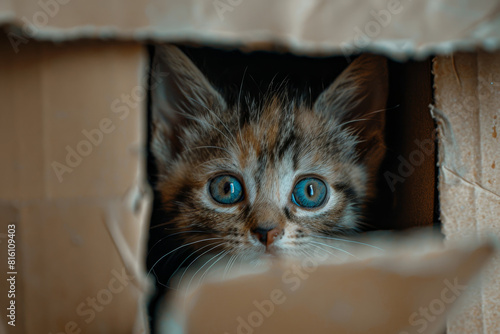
(179, 94)
(356, 100)
(358, 93)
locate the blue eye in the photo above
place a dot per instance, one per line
(226, 189)
(309, 193)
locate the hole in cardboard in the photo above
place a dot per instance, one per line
(407, 177)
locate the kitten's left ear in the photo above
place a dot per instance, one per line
(357, 100)
(179, 94)
(183, 90)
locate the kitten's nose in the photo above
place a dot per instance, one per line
(267, 235)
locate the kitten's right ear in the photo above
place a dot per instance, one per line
(357, 101)
(179, 92)
(358, 94)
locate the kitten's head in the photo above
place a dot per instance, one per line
(266, 176)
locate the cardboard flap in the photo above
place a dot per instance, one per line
(401, 292)
(73, 185)
(397, 28)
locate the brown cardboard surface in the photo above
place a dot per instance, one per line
(467, 111)
(400, 28)
(80, 236)
(67, 254)
(51, 96)
(400, 292)
(64, 15)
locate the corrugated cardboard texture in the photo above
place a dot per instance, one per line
(468, 114)
(80, 217)
(401, 28)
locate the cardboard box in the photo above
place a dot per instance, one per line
(467, 93)
(405, 290)
(73, 134)
(73, 186)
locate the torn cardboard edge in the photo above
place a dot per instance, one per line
(377, 294)
(397, 29)
(466, 110)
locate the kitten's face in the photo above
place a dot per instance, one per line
(268, 177)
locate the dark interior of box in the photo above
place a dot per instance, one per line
(407, 194)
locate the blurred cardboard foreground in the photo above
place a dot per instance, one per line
(404, 290)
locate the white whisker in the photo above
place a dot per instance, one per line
(215, 262)
(326, 251)
(332, 247)
(185, 245)
(227, 266)
(347, 240)
(171, 235)
(197, 271)
(184, 261)
(232, 263)
(186, 270)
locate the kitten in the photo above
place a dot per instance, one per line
(265, 177)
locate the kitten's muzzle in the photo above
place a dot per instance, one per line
(267, 235)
